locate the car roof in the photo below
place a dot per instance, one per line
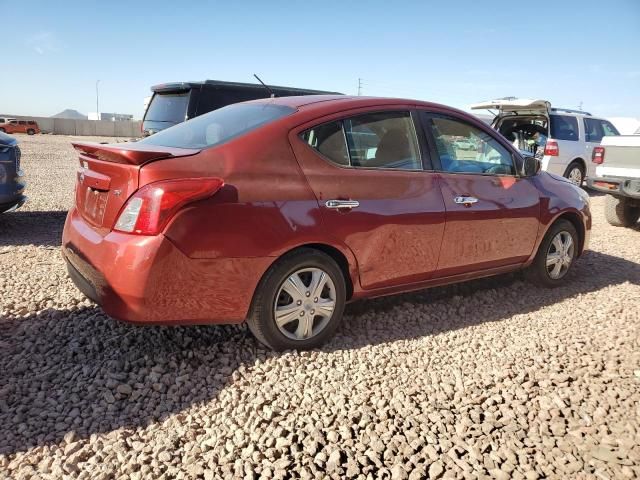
(312, 106)
(307, 102)
(184, 86)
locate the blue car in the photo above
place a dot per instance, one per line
(12, 182)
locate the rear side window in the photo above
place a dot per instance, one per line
(168, 107)
(328, 139)
(31, 122)
(219, 126)
(374, 140)
(564, 127)
(22, 122)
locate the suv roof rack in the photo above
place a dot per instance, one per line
(569, 110)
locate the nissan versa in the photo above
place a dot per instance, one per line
(278, 211)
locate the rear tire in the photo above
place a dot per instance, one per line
(303, 328)
(619, 212)
(541, 271)
(31, 131)
(575, 172)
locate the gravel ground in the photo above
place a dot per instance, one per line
(489, 379)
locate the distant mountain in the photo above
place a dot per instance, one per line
(71, 114)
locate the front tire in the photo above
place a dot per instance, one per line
(619, 212)
(575, 172)
(299, 302)
(556, 255)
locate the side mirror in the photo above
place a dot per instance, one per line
(530, 166)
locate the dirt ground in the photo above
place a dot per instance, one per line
(489, 379)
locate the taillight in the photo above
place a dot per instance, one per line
(598, 155)
(551, 148)
(149, 210)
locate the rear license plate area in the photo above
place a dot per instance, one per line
(95, 204)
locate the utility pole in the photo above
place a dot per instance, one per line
(97, 107)
(359, 86)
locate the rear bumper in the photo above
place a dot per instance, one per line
(618, 186)
(146, 280)
(14, 204)
(11, 192)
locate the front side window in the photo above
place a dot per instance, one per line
(564, 127)
(463, 148)
(372, 140)
(219, 126)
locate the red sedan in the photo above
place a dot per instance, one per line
(278, 211)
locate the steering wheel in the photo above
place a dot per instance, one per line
(499, 169)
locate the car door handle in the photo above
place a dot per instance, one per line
(465, 200)
(337, 204)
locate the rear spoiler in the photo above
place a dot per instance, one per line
(130, 153)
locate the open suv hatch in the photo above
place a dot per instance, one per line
(563, 139)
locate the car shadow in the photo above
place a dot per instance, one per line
(41, 228)
(73, 382)
(375, 321)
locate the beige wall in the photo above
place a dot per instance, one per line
(64, 126)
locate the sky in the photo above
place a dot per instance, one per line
(453, 52)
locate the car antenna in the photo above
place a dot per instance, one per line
(273, 95)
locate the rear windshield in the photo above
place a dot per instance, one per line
(218, 126)
(168, 107)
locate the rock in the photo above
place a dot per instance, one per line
(398, 472)
(436, 469)
(604, 454)
(124, 389)
(164, 456)
(499, 474)
(334, 461)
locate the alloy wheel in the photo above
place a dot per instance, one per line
(304, 303)
(575, 175)
(560, 255)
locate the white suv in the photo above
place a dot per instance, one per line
(563, 139)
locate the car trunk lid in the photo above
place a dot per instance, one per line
(109, 174)
(517, 106)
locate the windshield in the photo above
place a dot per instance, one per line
(219, 126)
(168, 107)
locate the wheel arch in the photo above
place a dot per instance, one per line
(343, 257)
(576, 221)
(578, 160)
